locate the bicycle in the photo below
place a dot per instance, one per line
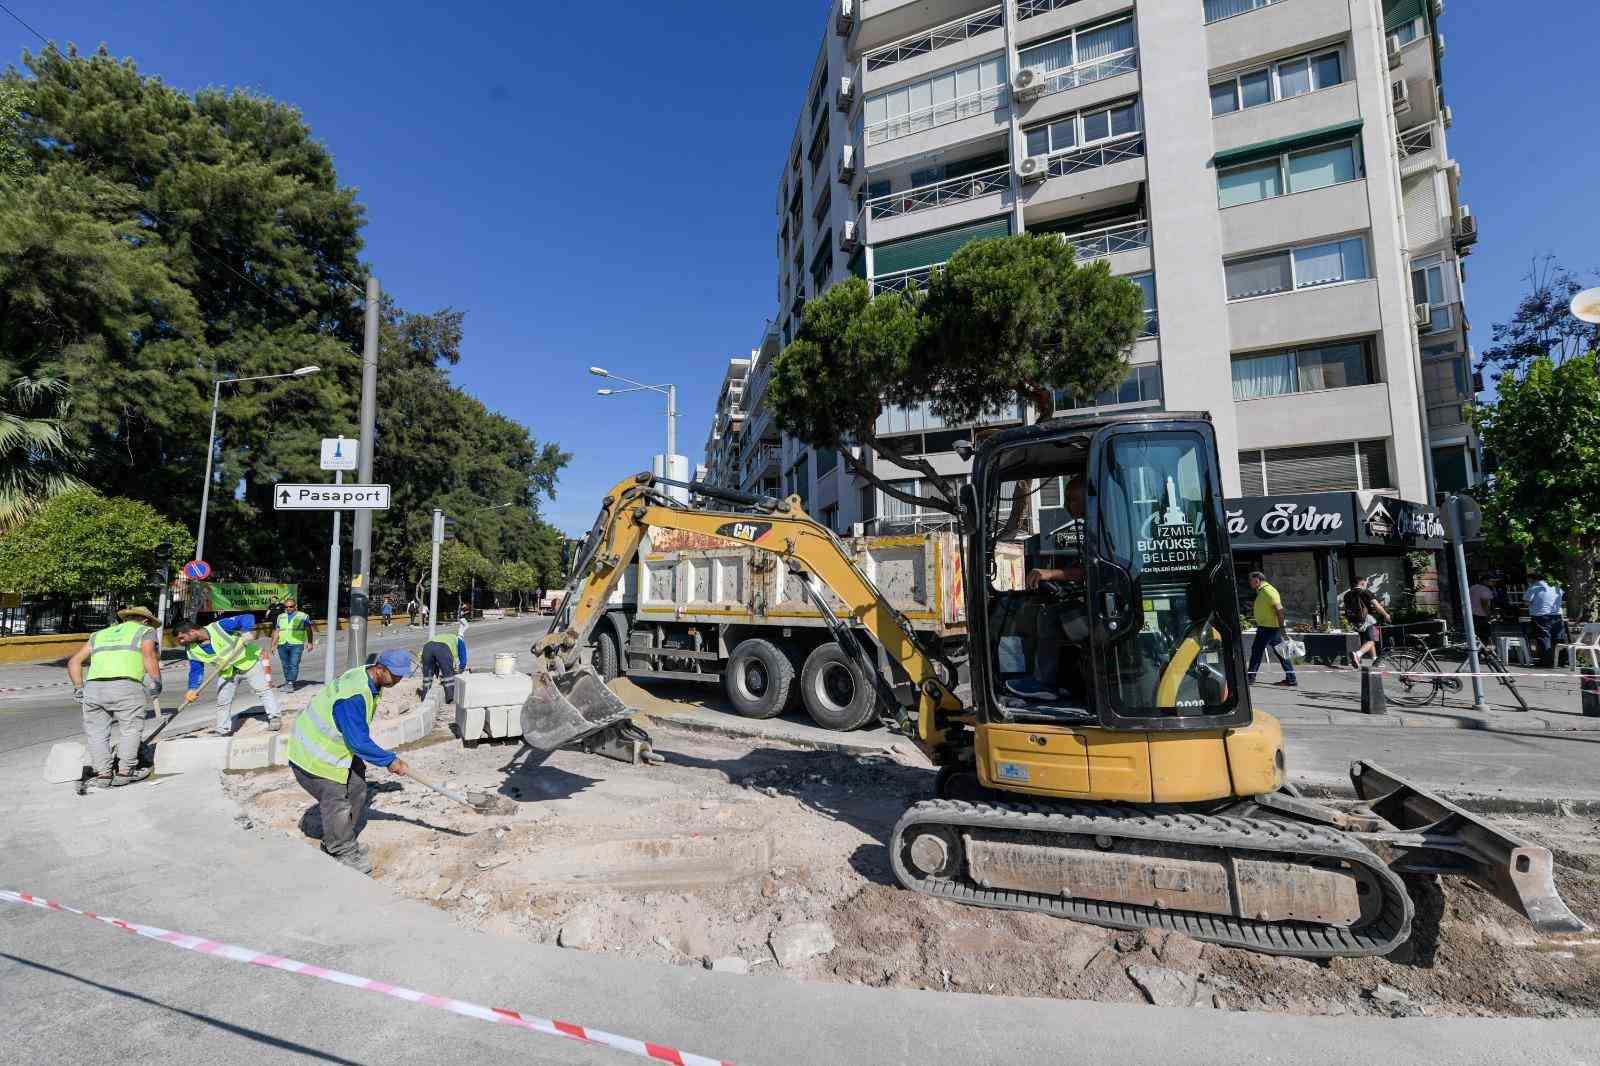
(1420, 677)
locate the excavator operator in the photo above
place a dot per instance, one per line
(1063, 614)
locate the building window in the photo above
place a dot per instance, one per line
(1312, 168)
(950, 95)
(822, 264)
(1451, 472)
(1432, 283)
(1222, 9)
(1312, 369)
(1147, 285)
(827, 459)
(1083, 128)
(1327, 263)
(1347, 466)
(1404, 33)
(1141, 387)
(1277, 81)
(1084, 55)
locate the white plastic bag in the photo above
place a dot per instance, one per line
(1294, 649)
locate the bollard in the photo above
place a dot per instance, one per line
(1373, 701)
(1591, 693)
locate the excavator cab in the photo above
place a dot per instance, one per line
(1128, 616)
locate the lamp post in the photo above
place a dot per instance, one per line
(670, 391)
(211, 447)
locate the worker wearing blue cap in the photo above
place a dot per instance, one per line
(331, 746)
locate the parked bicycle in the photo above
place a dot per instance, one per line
(1419, 677)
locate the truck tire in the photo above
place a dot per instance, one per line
(607, 660)
(758, 679)
(836, 693)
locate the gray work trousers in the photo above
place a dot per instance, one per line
(260, 684)
(121, 703)
(340, 805)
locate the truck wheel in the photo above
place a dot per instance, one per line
(758, 679)
(836, 694)
(607, 661)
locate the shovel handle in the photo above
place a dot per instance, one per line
(459, 796)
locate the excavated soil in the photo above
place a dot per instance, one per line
(707, 857)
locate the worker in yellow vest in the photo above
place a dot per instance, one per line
(331, 746)
(227, 642)
(292, 636)
(124, 674)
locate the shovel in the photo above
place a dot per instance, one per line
(482, 802)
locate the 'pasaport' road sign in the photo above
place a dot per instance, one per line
(330, 497)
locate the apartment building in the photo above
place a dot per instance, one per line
(721, 466)
(1273, 174)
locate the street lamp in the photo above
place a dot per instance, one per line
(211, 444)
(671, 393)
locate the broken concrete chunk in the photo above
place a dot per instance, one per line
(732, 964)
(439, 888)
(1390, 998)
(1162, 986)
(578, 933)
(794, 944)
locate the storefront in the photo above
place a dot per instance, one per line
(1313, 546)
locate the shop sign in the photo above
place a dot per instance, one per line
(1401, 522)
(1266, 522)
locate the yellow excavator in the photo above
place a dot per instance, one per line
(1116, 774)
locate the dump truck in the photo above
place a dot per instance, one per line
(704, 608)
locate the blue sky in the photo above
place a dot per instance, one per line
(594, 183)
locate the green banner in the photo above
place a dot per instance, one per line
(221, 596)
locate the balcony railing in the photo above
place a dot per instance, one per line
(1128, 147)
(1224, 9)
(1109, 67)
(1415, 140)
(927, 118)
(1026, 9)
(759, 457)
(1123, 237)
(936, 38)
(913, 280)
(1446, 414)
(941, 194)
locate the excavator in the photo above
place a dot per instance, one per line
(1138, 787)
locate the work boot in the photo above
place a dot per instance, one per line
(99, 781)
(138, 773)
(274, 724)
(357, 859)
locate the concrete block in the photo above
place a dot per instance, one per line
(416, 723)
(250, 753)
(499, 717)
(183, 755)
(65, 762)
(388, 734)
(470, 721)
(280, 749)
(492, 690)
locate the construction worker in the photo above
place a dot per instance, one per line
(445, 657)
(292, 636)
(331, 746)
(124, 674)
(227, 642)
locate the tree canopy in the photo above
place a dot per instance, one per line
(80, 542)
(1542, 324)
(1007, 318)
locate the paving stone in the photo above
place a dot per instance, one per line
(191, 754)
(250, 753)
(65, 762)
(728, 965)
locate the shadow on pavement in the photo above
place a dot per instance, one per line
(228, 1027)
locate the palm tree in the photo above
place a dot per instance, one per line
(36, 460)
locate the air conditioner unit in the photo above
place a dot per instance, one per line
(1466, 228)
(845, 20)
(1438, 9)
(848, 236)
(1446, 116)
(1438, 45)
(1422, 314)
(1028, 82)
(1400, 96)
(1034, 168)
(1394, 52)
(847, 163)
(846, 97)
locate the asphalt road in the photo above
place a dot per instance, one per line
(36, 721)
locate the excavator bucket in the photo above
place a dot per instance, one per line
(567, 707)
(1431, 835)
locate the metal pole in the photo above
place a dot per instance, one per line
(361, 548)
(672, 426)
(433, 576)
(329, 656)
(205, 490)
(1459, 543)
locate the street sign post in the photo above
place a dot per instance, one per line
(290, 497)
(1465, 521)
(340, 454)
(196, 569)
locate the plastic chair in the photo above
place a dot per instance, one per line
(1588, 643)
(1503, 645)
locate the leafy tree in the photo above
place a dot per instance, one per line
(13, 148)
(459, 565)
(1543, 324)
(1543, 498)
(1007, 317)
(518, 577)
(80, 542)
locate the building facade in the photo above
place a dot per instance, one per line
(1273, 174)
(721, 466)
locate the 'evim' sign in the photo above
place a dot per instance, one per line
(1286, 518)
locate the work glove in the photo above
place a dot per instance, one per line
(192, 695)
(152, 686)
(77, 693)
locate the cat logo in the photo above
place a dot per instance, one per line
(749, 531)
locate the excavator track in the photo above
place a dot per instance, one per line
(1185, 841)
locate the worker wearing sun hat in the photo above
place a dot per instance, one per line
(124, 674)
(332, 744)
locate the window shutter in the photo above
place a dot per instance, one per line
(1422, 211)
(1250, 474)
(937, 248)
(1374, 460)
(1316, 468)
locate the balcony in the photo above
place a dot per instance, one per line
(886, 21)
(957, 121)
(1337, 105)
(1099, 243)
(1447, 415)
(1304, 316)
(1088, 179)
(925, 52)
(1419, 149)
(1040, 19)
(1296, 217)
(951, 202)
(1245, 30)
(913, 280)
(762, 461)
(1413, 64)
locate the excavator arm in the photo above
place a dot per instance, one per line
(570, 701)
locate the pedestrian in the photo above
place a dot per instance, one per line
(387, 611)
(1362, 610)
(1481, 598)
(124, 674)
(227, 642)
(423, 611)
(444, 658)
(292, 637)
(1544, 611)
(411, 613)
(331, 747)
(1269, 618)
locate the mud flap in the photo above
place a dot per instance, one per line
(568, 707)
(1434, 836)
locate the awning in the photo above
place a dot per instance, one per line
(1265, 149)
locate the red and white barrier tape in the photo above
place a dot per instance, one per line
(498, 1015)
